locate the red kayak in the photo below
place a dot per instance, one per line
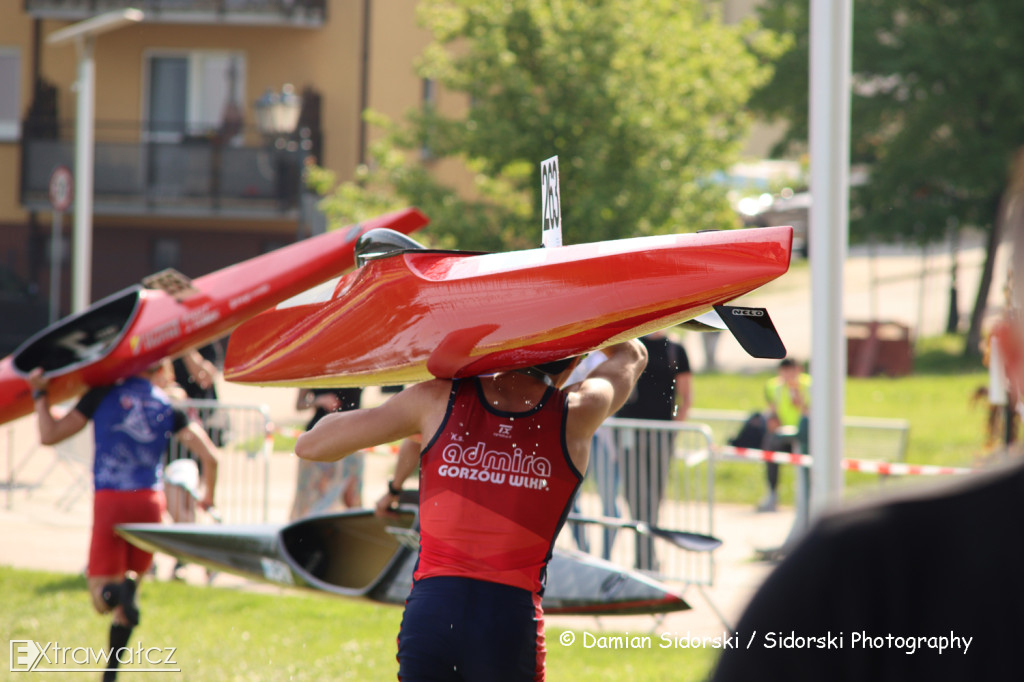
(408, 314)
(128, 331)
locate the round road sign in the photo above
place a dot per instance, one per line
(62, 188)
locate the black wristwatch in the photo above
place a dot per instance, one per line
(38, 393)
(392, 490)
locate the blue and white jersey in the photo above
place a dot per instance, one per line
(133, 421)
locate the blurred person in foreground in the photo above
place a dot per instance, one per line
(503, 458)
(133, 421)
(926, 586)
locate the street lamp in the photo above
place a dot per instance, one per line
(277, 114)
(83, 35)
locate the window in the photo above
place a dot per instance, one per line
(194, 93)
(10, 85)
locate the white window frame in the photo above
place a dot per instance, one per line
(195, 58)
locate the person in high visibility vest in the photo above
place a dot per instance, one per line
(788, 395)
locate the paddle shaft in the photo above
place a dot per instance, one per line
(694, 542)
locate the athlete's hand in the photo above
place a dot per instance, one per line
(328, 401)
(36, 380)
(385, 507)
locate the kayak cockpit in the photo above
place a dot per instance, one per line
(384, 243)
(381, 243)
(344, 553)
(82, 338)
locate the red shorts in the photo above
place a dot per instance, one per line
(109, 553)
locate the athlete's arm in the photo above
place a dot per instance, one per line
(202, 371)
(408, 459)
(608, 385)
(417, 409)
(600, 395)
(195, 439)
(51, 429)
(684, 395)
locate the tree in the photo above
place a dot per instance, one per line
(643, 101)
(937, 114)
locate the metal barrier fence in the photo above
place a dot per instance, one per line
(864, 437)
(72, 457)
(241, 432)
(661, 472)
(244, 436)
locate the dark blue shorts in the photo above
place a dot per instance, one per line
(466, 630)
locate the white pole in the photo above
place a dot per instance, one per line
(81, 266)
(830, 57)
(56, 237)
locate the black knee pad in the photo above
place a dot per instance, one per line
(111, 594)
(127, 594)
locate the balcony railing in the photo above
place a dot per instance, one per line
(138, 172)
(303, 13)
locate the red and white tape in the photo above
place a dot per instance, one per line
(287, 431)
(868, 466)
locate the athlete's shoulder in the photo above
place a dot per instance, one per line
(430, 389)
(589, 403)
(426, 396)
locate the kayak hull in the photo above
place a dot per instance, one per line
(421, 314)
(128, 331)
(357, 555)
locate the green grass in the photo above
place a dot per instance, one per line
(944, 428)
(227, 634)
(945, 355)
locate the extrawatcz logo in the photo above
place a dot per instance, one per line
(28, 656)
(25, 655)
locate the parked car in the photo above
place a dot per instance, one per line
(787, 208)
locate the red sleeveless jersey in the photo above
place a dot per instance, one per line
(495, 488)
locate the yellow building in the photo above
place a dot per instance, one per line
(188, 173)
(185, 174)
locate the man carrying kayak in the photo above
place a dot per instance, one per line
(504, 456)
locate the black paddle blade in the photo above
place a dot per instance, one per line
(753, 328)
